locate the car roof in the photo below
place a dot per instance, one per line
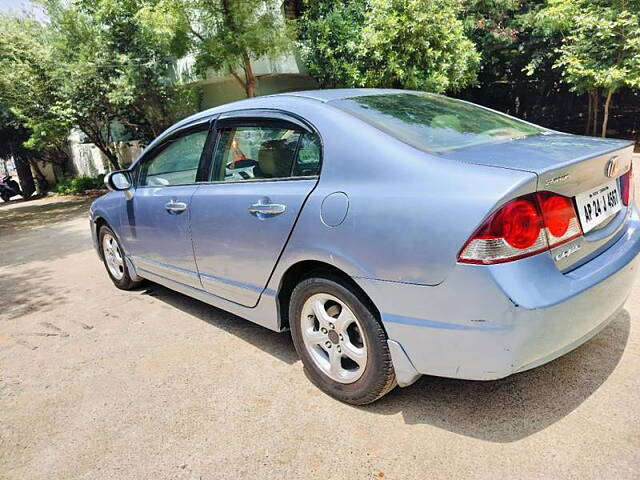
(340, 93)
(323, 96)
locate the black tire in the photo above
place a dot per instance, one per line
(5, 197)
(378, 377)
(125, 282)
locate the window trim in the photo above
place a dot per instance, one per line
(200, 126)
(260, 118)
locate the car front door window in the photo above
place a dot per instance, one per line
(176, 163)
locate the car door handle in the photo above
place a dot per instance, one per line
(267, 208)
(175, 207)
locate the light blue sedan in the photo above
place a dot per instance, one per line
(394, 233)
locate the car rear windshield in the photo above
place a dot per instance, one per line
(434, 123)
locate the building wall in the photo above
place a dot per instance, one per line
(216, 91)
(86, 159)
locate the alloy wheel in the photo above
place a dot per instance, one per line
(113, 256)
(334, 338)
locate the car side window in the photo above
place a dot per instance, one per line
(176, 163)
(308, 159)
(259, 153)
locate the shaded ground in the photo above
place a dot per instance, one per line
(99, 383)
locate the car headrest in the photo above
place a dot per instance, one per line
(275, 158)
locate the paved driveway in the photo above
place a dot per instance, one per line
(99, 383)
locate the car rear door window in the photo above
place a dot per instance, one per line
(263, 153)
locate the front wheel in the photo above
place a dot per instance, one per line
(114, 260)
(342, 344)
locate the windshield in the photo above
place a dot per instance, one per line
(434, 123)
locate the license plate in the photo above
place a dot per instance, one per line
(598, 204)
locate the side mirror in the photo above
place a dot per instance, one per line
(119, 181)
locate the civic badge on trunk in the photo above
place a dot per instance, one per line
(612, 167)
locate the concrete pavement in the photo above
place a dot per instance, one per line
(99, 383)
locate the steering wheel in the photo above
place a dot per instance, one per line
(242, 163)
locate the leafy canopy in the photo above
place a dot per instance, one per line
(602, 49)
(94, 65)
(415, 44)
(224, 35)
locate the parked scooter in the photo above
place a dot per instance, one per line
(9, 188)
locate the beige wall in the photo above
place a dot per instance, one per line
(217, 91)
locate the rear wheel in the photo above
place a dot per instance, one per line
(114, 260)
(5, 197)
(342, 345)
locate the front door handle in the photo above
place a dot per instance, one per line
(267, 208)
(175, 207)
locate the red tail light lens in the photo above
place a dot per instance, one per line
(559, 217)
(626, 187)
(518, 223)
(523, 227)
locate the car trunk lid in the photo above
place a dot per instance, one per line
(569, 165)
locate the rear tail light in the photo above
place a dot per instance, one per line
(626, 187)
(559, 217)
(523, 227)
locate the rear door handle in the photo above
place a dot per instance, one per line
(267, 208)
(175, 207)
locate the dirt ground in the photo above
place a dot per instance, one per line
(99, 383)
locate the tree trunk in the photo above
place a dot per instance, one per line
(589, 114)
(113, 160)
(596, 110)
(605, 120)
(250, 78)
(42, 186)
(111, 157)
(27, 184)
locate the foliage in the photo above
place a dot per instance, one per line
(602, 49)
(94, 65)
(78, 185)
(330, 33)
(114, 69)
(415, 44)
(28, 83)
(599, 47)
(225, 34)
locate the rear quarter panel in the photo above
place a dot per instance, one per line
(408, 214)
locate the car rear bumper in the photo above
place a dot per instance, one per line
(487, 322)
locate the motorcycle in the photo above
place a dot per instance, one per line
(9, 188)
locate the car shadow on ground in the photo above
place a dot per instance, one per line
(278, 345)
(499, 411)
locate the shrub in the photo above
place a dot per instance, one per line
(75, 185)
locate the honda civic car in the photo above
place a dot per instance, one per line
(393, 233)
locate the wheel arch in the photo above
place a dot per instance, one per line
(98, 223)
(306, 268)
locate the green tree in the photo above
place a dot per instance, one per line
(329, 34)
(226, 35)
(95, 65)
(417, 44)
(30, 120)
(599, 48)
(113, 69)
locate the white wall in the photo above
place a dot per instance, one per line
(87, 159)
